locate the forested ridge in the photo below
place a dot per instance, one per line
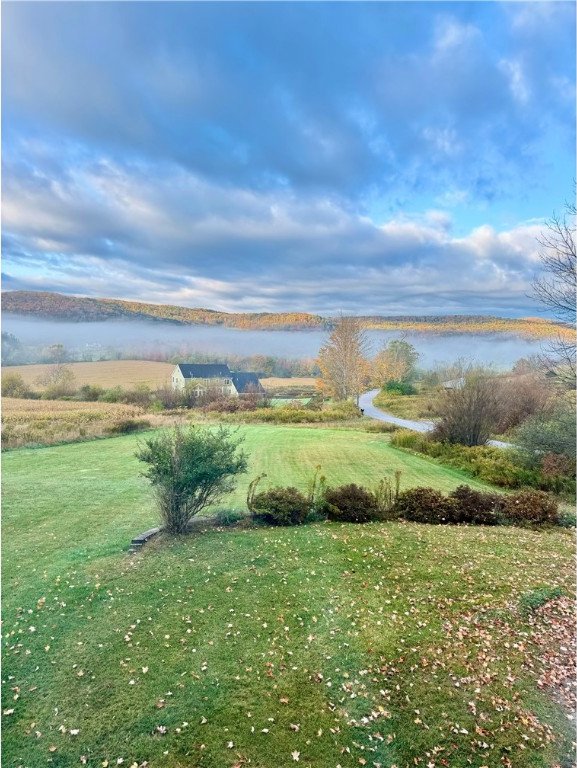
(58, 306)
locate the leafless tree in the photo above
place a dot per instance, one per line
(519, 397)
(470, 412)
(555, 287)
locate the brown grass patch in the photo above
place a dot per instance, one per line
(296, 382)
(105, 373)
(47, 422)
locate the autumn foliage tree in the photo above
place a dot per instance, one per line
(395, 362)
(342, 360)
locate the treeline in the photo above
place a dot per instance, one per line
(16, 353)
(81, 309)
(265, 365)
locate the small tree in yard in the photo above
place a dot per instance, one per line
(190, 469)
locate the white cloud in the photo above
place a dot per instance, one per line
(518, 84)
(174, 237)
(451, 34)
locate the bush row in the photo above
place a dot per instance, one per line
(492, 465)
(355, 504)
(465, 505)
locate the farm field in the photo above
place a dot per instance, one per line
(129, 373)
(46, 422)
(105, 373)
(323, 645)
(272, 383)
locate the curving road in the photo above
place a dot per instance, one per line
(366, 403)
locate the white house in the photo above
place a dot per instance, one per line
(215, 377)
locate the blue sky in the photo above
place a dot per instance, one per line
(379, 157)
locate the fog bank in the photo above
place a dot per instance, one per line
(144, 339)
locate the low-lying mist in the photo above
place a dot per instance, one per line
(153, 340)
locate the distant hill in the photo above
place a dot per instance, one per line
(79, 309)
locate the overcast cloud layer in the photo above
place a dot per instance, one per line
(379, 157)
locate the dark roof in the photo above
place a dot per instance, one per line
(204, 371)
(246, 382)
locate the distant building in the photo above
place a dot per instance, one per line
(454, 383)
(215, 377)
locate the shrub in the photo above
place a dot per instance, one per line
(113, 395)
(89, 393)
(475, 507)
(351, 504)
(554, 465)
(315, 403)
(13, 385)
(533, 507)
(469, 413)
(59, 381)
(190, 469)
(424, 505)
(141, 395)
(399, 388)
(228, 517)
(567, 519)
(497, 466)
(530, 601)
(519, 398)
(126, 426)
(289, 414)
(551, 431)
(281, 506)
(227, 404)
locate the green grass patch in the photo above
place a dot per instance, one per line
(333, 643)
(530, 601)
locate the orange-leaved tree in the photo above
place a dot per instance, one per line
(345, 369)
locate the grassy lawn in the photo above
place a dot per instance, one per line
(325, 645)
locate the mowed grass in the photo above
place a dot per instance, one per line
(324, 645)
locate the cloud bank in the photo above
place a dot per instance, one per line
(384, 158)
